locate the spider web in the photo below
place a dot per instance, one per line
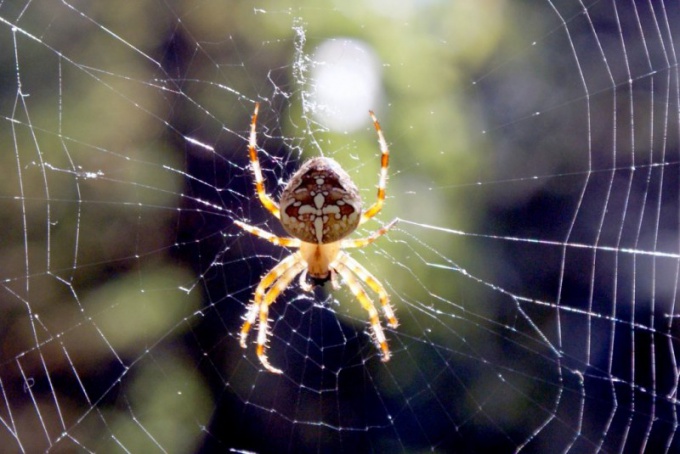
(534, 270)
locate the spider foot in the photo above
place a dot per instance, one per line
(265, 362)
(248, 321)
(389, 313)
(386, 352)
(244, 335)
(379, 338)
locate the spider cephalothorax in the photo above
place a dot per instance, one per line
(319, 207)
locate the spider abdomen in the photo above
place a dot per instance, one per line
(320, 204)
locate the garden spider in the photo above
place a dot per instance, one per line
(319, 207)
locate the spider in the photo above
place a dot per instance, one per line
(319, 207)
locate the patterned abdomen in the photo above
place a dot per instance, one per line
(320, 203)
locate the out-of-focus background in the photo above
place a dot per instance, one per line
(534, 271)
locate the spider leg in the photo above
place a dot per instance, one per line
(344, 270)
(375, 285)
(277, 240)
(265, 199)
(262, 333)
(361, 242)
(382, 183)
(267, 281)
(269, 288)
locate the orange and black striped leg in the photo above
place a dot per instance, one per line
(263, 328)
(359, 292)
(277, 240)
(365, 276)
(273, 278)
(361, 242)
(382, 183)
(266, 201)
